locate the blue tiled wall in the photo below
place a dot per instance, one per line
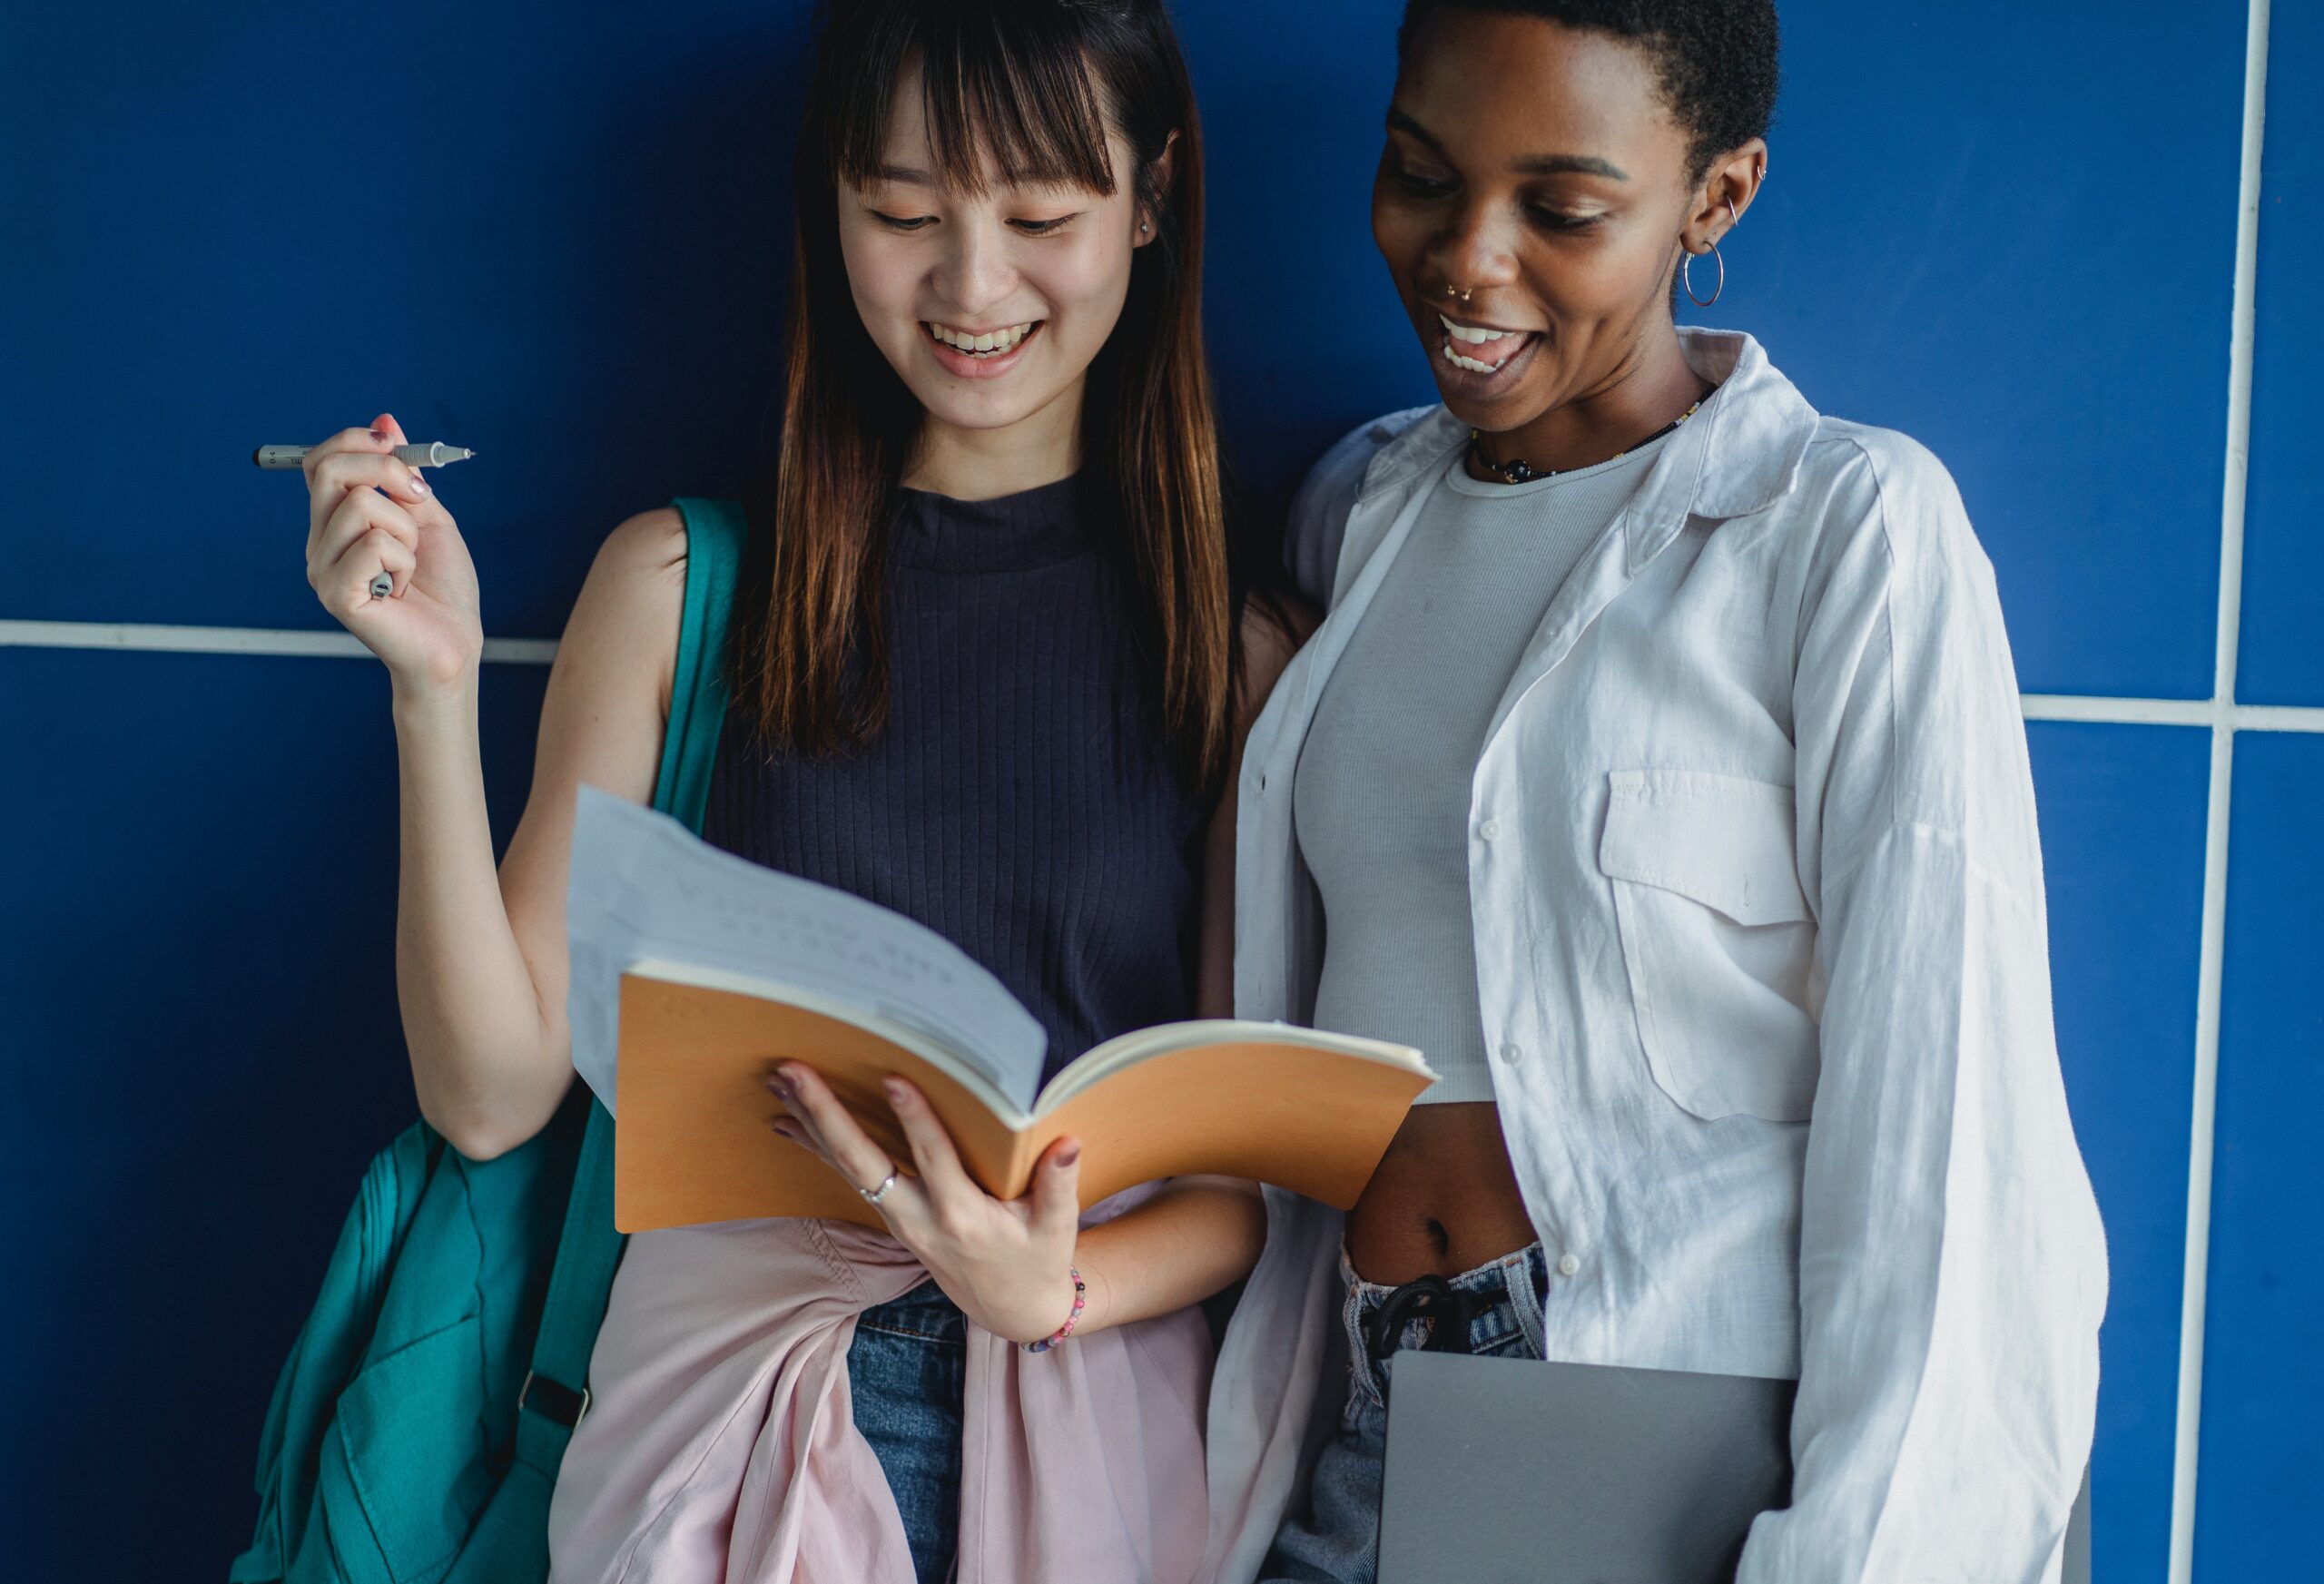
(2263, 1374)
(2283, 638)
(559, 235)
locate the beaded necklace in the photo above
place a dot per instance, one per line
(1517, 472)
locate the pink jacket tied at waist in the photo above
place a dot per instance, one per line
(720, 1442)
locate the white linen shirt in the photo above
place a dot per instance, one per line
(1762, 964)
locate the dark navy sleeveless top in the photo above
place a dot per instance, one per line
(1021, 799)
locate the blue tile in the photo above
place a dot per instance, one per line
(2263, 1378)
(198, 956)
(1306, 334)
(550, 234)
(2283, 637)
(2122, 818)
(1943, 248)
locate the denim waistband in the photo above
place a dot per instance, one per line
(925, 1313)
(1505, 1301)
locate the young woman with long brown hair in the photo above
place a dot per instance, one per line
(990, 669)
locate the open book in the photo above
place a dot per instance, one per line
(695, 970)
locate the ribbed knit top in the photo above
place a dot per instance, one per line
(1382, 800)
(1021, 799)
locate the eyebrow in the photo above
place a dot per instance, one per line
(906, 175)
(1532, 165)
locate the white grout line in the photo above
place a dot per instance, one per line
(339, 645)
(2129, 712)
(2194, 1282)
(2171, 712)
(2276, 718)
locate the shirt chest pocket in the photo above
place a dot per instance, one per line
(1718, 939)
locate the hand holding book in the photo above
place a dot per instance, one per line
(695, 972)
(1007, 1263)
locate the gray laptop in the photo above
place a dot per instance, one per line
(1506, 1470)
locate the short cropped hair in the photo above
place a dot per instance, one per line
(1717, 59)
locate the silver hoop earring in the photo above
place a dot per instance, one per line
(1687, 279)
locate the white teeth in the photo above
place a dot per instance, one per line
(1458, 361)
(986, 342)
(1469, 333)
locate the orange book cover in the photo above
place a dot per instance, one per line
(1307, 1110)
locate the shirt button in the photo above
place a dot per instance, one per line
(1489, 830)
(1569, 1265)
(1513, 1053)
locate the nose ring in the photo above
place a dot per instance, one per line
(1451, 290)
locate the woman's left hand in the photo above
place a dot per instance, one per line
(1007, 1263)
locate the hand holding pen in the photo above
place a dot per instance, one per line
(385, 556)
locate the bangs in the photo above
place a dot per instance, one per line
(1004, 87)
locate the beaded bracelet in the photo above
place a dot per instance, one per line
(1081, 1298)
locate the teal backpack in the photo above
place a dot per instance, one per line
(415, 1433)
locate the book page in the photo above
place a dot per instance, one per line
(643, 886)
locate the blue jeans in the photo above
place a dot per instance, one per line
(1337, 1541)
(905, 1375)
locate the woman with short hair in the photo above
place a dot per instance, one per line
(1659, 773)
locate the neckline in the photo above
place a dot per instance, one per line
(1031, 528)
(1460, 483)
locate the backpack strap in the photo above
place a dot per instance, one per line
(715, 530)
(589, 1248)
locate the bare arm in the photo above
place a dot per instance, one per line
(481, 968)
(480, 955)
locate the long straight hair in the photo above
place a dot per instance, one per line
(1032, 86)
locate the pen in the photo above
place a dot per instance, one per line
(433, 454)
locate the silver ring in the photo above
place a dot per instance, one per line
(873, 1196)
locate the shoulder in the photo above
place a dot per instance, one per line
(643, 562)
(1273, 626)
(1340, 469)
(650, 544)
(1877, 495)
(1886, 476)
(633, 601)
(1320, 508)
(1889, 459)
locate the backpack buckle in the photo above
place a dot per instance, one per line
(558, 1403)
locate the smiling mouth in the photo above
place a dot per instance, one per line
(1480, 349)
(981, 343)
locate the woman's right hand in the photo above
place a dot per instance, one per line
(370, 513)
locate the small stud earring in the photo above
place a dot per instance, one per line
(1143, 227)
